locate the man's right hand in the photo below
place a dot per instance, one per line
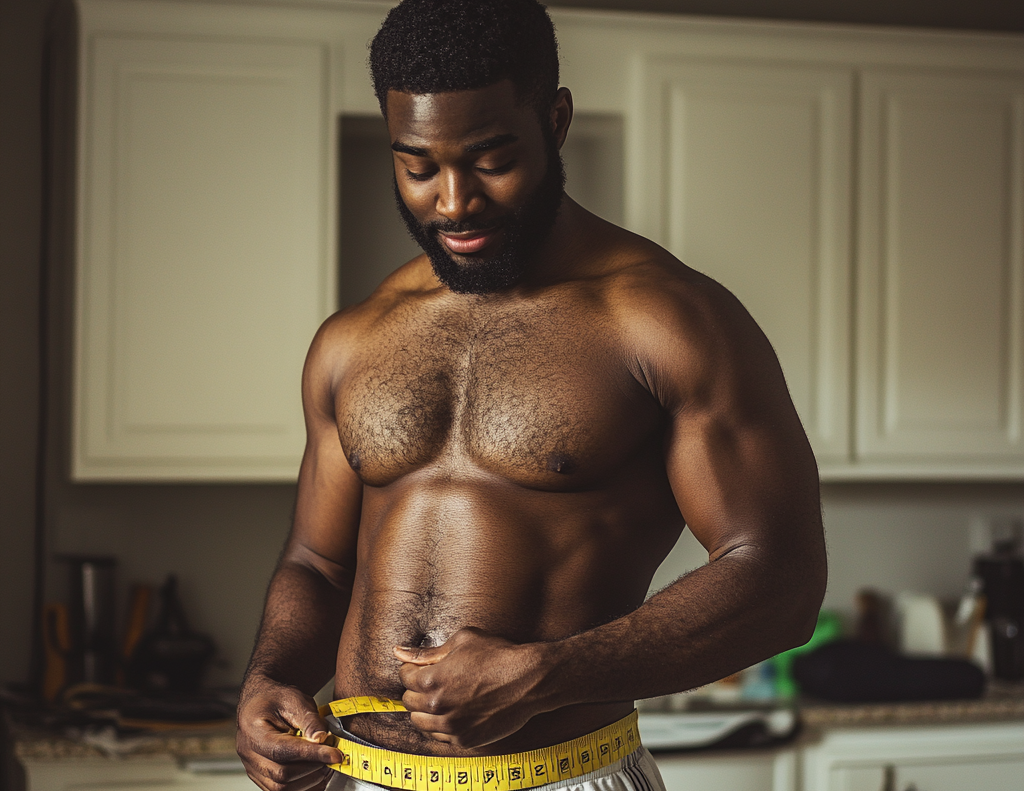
(275, 759)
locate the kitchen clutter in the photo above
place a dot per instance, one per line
(916, 648)
(909, 647)
(149, 677)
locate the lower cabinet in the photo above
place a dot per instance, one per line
(988, 757)
(729, 771)
(976, 757)
(141, 773)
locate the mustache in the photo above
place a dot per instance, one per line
(466, 226)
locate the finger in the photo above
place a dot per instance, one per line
(293, 777)
(283, 748)
(424, 702)
(303, 716)
(431, 724)
(420, 656)
(415, 677)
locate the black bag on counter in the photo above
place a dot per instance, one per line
(848, 671)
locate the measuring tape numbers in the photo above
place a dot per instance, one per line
(513, 772)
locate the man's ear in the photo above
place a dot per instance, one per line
(561, 115)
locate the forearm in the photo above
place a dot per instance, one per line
(302, 620)
(721, 618)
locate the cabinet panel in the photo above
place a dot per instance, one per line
(939, 776)
(941, 307)
(955, 776)
(204, 261)
(982, 756)
(755, 771)
(746, 178)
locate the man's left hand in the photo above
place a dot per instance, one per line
(471, 691)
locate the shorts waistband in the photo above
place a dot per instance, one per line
(512, 772)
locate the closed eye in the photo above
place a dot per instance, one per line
(420, 176)
(498, 170)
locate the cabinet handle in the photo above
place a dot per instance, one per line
(889, 778)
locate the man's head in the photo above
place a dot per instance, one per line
(469, 89)
(437, 46)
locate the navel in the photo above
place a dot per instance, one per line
(560, 463)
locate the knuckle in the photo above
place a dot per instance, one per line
(433, 705)
(277, 773)
(277, 752)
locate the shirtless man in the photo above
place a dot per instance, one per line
(507, 438)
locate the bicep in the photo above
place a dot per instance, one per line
(738, 459)
(329, 499)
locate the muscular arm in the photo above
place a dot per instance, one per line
(745, 480)
(306, 603)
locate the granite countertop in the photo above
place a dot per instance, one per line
(38, 745)
(1002, 702)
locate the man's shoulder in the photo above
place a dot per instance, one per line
(682, 330)
(351, 327)
(409, 280)
(647, 287)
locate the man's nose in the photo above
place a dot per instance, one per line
(460, 196)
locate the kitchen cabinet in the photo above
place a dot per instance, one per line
(752, 187)
(861, 191)
(731, 771)
(745, 170)
(136, 773)
(205, 255)
(204, 230)
(941, 268)
(937, 758)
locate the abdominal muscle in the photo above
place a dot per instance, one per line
(525, 565)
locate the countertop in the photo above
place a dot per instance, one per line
(1002, 702)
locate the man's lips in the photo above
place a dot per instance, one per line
(468, 243)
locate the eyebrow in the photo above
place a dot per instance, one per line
(488, 144)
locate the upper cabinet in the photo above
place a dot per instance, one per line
(861, 191)
(749, 182)
(941, 269)
(863, 195)
(205, 235)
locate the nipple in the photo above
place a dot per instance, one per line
(354, 461)
(560, 463)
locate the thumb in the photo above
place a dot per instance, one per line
(303, 717)
(313, 729)
(420, 656)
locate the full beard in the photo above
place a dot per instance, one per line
(525, 230)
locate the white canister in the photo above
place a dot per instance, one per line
(922, 627)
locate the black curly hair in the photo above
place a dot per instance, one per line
(434, 46)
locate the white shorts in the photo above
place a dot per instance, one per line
(635, 772)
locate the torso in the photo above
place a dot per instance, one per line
(514, 481)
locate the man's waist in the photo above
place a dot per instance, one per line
(509, 772)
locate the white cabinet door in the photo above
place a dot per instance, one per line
(991, 775)
(980, 757)
(204, 254)
(994, 775)
(732, 771)
(742, 170)
(941, 269)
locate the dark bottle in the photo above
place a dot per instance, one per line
(1002, 576)
(171, 657)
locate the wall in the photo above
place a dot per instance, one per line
(223, 540)
(983, 15)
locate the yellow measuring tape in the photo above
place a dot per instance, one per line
(511, 772)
